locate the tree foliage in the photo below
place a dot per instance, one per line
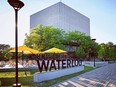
(46, 37)
(81, 42)
(43, 38)
(4, 52)
(80, 53)
(107, 51)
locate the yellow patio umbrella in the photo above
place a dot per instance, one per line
(26, 50)
(55, 50)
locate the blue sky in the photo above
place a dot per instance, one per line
(102, 16)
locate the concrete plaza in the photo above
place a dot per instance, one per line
(101, 77)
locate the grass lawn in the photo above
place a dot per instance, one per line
(8, 78)
(110, 62)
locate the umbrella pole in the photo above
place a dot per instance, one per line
(22, 58)
(22, 63)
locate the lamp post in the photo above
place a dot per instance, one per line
(94, 52)
(17, 5)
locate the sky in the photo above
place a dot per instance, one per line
(102, 14)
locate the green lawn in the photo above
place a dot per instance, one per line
(110, 62)
(8, 78)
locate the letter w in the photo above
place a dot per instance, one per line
(43, 65)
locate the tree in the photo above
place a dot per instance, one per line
(107, 51)
(4, 52)
(45, 37)
(3, 46)
(80, 53)
(72, 40)
(77, 39)
(114, 53)
(74, 37)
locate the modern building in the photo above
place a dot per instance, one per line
(61, 16)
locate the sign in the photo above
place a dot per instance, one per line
(49, 65)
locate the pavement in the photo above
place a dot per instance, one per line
(101, 77)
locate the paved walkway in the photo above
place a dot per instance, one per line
(101, 77)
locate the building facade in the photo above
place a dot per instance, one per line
(63, 17)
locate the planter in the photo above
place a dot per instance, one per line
(44, 76)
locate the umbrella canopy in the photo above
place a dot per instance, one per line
(55, 50)
(26, 50)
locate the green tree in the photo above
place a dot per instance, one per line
(80, 53)
(114, 53)
(77, 39)
(107, 51)
(4, 52)
(45, 37)
(74, 37)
